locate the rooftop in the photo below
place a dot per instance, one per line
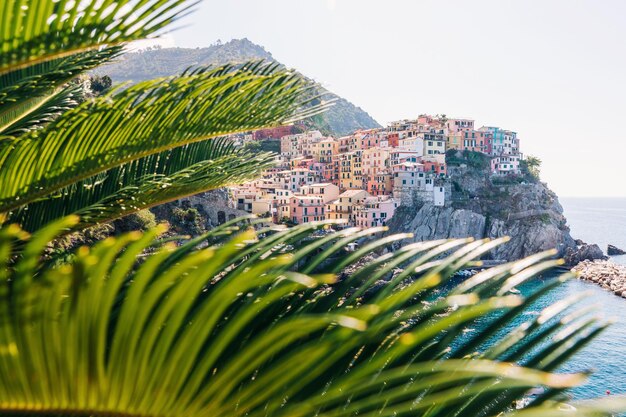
(351, 193)
(322, 184)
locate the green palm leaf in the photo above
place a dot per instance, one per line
(147, 182)
(145, 119)
(36, 112)
(31, 89)
(35, 31)
(232, 330)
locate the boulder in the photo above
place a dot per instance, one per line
(606, 274)
(614, 250)
(585, 252)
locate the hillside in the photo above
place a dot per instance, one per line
(483, 206)
(343, 118)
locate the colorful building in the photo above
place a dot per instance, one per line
(343, 207)
(380, 183)
(326, 191)
(305, 209)
(374, 211)
(505, 164)
(457, 125)
(435, 145)
(324, 150)
(374, 160)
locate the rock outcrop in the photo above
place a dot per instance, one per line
(528, 236)
(606, 274)
(195, 214)
(584, 252)
(481, 206)
(614, 250)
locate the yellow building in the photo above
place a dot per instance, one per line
(455, 140)
(434, 146)
(324, 150)
(350, 170)
(343, 207)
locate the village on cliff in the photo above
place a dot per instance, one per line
(364, 177)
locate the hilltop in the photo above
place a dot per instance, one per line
(341, 119)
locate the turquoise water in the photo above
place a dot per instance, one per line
(600, 221)
(606, 355)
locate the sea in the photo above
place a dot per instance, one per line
(601, 221)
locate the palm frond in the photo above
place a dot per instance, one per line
(32, 87)
(36, 112)
(147, 182)
(234, 330)
(35, 31)
(146, 119)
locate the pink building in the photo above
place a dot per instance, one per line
(344, 143)
(374, 160)
(457, 125)
(505, 164)
(326, 191)
(372, 138)
(305, 209)
(434, 166)
(375, 211)
(380, 183)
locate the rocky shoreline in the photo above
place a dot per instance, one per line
(604, 273)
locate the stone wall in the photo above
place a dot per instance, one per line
(214, 206)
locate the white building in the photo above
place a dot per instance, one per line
(505, 164)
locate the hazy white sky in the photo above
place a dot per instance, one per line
(553, 70)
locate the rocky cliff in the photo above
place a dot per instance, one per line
(482, 206)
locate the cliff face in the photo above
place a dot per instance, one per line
(484, 207)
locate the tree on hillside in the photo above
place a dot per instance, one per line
(241, 321)
(533, 165)
(100, 84)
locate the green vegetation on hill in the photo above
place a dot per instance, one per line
(265, 145)
(341, 119)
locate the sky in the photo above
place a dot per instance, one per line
(552, 70)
